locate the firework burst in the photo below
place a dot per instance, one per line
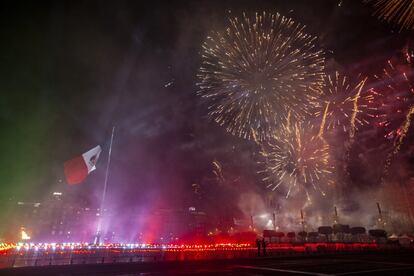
(393, 98)
(340, 102)
(398, 12)
(393, 95)
(258, 70)
(298, 161)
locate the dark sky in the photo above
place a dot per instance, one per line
(72, 69)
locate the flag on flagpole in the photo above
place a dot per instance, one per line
(78, 168)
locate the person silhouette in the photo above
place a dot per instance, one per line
(264, 246)
(258, 243)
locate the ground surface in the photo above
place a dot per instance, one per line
(391, 263)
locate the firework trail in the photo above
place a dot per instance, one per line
(323, 123)
(254, 137)
(257, 70)
(298, 160)
(340, 98)
(398, 12)
(404, 130)
(218, 171)
(356, 110)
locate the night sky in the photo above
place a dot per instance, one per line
(70, 70)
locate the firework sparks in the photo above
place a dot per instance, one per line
(298, 160)
(340, 100)
(399, 12)
(257, 71)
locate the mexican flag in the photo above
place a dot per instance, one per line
(78, 168)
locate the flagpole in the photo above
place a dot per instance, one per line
(101, 211)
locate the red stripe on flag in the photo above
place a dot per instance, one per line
(75, 170)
